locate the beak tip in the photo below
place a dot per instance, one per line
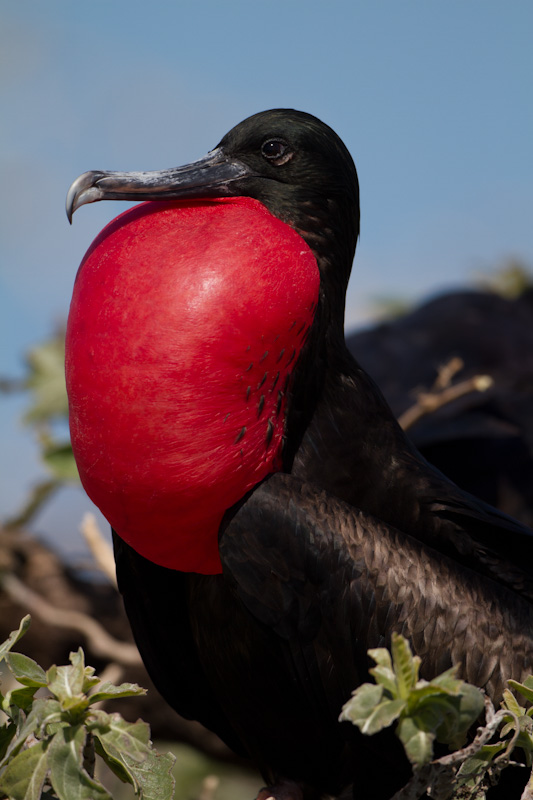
(82, 191)
(70, 206)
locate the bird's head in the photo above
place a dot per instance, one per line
(196, 342)
(288, 160)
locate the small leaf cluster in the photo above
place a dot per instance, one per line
(516, 732)
(524, 738)
(47, 415)
(440, 710)
(48, 744)
(46, 382)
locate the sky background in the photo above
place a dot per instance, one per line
(433, 98)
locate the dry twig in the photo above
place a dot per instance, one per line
(99, 547)
(443, 393)
(209, 788)
(527, 794)
(446, 373)
(98, 640)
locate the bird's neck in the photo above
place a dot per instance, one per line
(331, 231)
(329, 225)
(352, 444)
(325, 338)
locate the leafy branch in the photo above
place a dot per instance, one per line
(442, 710)
(48, 744)
(46, 415)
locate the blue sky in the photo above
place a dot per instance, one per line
(433, 98)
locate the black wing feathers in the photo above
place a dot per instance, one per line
(347, 581)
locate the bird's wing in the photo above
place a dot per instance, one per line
(483, 440)
(332, 582)
(480, 536)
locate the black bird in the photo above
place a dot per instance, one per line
(352, 536)
(483, 441)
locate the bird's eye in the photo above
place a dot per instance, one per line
(276, 151)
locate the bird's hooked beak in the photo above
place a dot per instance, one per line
(210, 176)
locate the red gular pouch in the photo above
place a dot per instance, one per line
(186, 323)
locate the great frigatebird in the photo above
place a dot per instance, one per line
(344, 535)
(483, 441)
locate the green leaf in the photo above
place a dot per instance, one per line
(383, 672)
(7, 732)
(448, 716)
(423, 691)
(14, 715)
(117, 735)
(89, 679)
(382, 716)
(108, 691)
(471, 705)
(447, 681)
(59, 459)
(417, 742)
(26, 670)
(77, 659)
(405, 665)
(75, 706)
(116, 766)
(14, 636)
(369, 711)
(127, 749)
(67, 682)
(68, 777)
(525, 723)
(24, 776)
(153, 776)
(44, 711)
(439, 716)
(361, 704)
(46, 380)
(386, 678)
(21, 698)
(510, 703)
(475, 765)
(525, 689)
(382, 657)
(442, 709)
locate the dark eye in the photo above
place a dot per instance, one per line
(276, 150)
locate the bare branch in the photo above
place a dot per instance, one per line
(428, 402)
(98, 640)
(112, 673)
(209, 788)
(527, 794)
(446, 373)
(100, 548)
(39, 495)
